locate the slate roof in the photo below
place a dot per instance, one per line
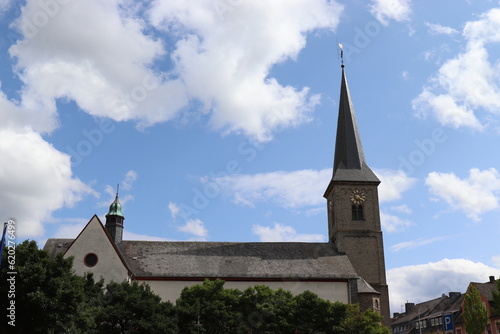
(365, 287)
(349, 162)
(430, 309)
(247, 260)
(486, 289)
(56, 246)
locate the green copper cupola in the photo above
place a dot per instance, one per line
(114, 220)
(116, 207)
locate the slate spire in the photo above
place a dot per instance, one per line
(349, 162)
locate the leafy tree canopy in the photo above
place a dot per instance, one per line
(496, 298)
(475, 314)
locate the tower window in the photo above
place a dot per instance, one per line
(90, 260)
(357, 212)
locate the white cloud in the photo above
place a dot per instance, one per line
(438, 29)
(393, 183)
(446, 110)
(195, 227)
(174, 209)
(401, 208)
(65, 57)
(35, 180)
(423, 282)
(288, 189)
(127, 235)
(281, 233)
(405, 245)
(496, 261)
(468, 83)
(392, 223)
(220, 57)
(385, 10)
(224, 57)
(128, 181)
(301, 188)
(473, 195)
(4, 5)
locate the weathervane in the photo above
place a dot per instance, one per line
(117, 188)
(341, 55)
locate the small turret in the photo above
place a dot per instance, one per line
(114, 220)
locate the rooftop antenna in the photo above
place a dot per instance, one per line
(341, 49)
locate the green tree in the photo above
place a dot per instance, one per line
(133, 308)
(316, 315)
(475, 314)
(208, 308)
(45, 292)
(357, 322)
(89, 308)
(496, 298)
(265, 310)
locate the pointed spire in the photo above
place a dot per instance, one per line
(349, 162)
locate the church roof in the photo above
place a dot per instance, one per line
(226, 260)
(349, 162)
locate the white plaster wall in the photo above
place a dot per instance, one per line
(333, 291)
(94, 240)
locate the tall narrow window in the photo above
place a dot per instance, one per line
(357, 212)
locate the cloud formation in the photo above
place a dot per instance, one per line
(282, 233)
(393, 183)
(198, 53)
(195, 227)
(438, 29)
(301, 188)
(466, 86)
(386, 10)
(405, 245)
(423, 282)
(474, 195)
(35, 180)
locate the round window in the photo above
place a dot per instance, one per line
(90, 260)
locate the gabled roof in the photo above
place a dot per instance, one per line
(247, 260)
(485, 289)
(431, 308)
(56, 246)
(349, 162)
(253, 260)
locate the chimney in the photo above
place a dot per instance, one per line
(492, 279)
(409, 307)
(454, 296)
(395, 315)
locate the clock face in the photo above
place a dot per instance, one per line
(358, 197)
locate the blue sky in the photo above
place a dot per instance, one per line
(218, 119)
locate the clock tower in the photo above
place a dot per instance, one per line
(353, 206)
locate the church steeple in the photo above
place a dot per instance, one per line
(353, 205)
(349, 162)
(114, 220)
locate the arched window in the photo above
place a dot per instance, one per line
(357, 212)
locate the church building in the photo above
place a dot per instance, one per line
(349, 268)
